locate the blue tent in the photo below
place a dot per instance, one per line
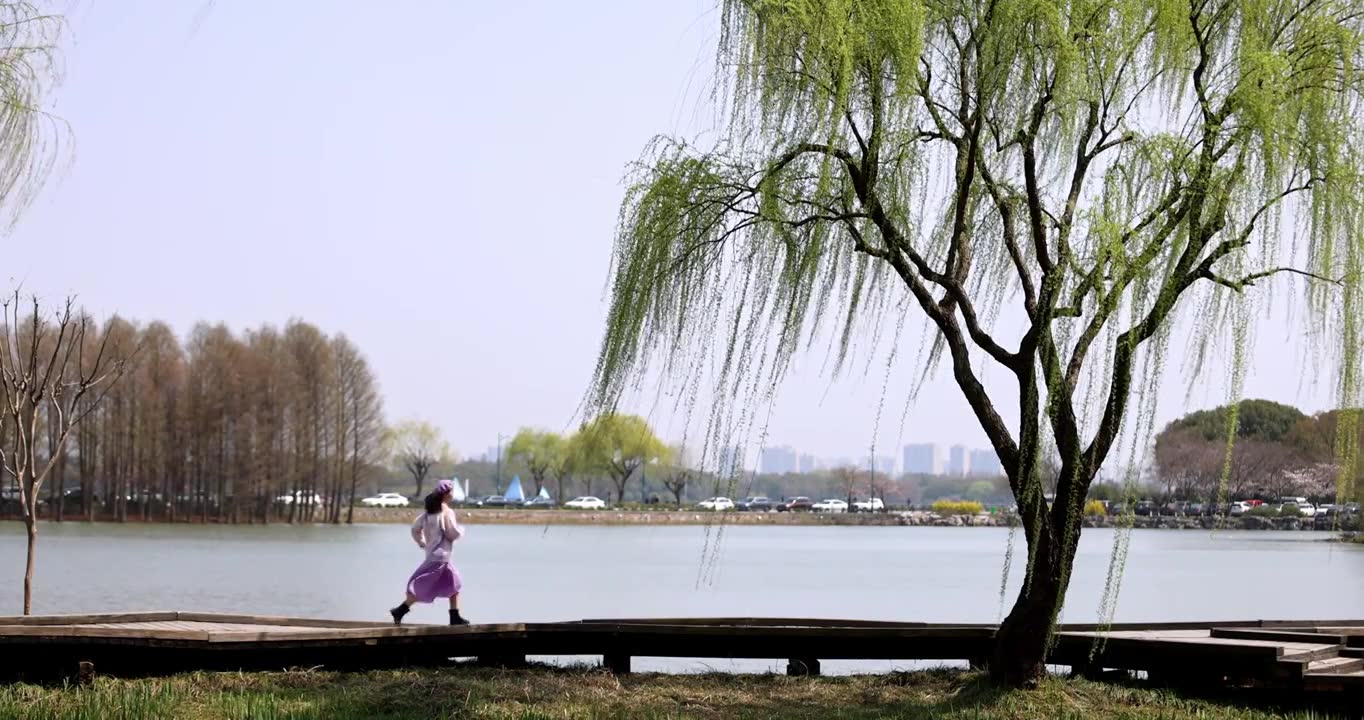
(514, 491)
(457, 492)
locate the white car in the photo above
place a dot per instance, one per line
(872, 505)
(385, 500)
(585, 503)
(831, 506)
(1239, 508)
(716, 503)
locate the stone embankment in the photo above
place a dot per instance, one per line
(913, 518)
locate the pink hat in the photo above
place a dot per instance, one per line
(445, 487)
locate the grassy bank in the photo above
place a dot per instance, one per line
(550, 693)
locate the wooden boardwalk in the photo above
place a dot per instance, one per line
(1321, 656)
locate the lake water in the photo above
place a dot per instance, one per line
(527, 573)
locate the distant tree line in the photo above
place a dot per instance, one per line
(1272, 450)
(221, 427)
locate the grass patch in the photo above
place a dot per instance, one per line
(545, 693)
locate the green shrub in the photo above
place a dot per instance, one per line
(958, 507)
(1270, 511)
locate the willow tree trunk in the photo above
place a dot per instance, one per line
(1053, 534)
(1024, 639)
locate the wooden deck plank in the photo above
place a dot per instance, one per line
(11, 620)
(365, 633)
(276, 620)
(825, 622)
(1276, 636)
(86, 631)
(1205, 638)
(1296, 624)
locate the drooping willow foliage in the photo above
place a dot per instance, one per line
(1097, 168)
(30, 138)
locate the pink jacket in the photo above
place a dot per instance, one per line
(436, 534)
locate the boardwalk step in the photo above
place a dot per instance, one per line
(1335, 683)
(1335, 666)
(1319, 652)
(1283, 636)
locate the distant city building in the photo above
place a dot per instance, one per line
(985, 462)
(956, 460)
(778, 461)
(807, 464)
(884, 464)
(921, 459)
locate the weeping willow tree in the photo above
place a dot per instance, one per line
(1049, 184)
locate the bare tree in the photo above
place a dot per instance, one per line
(848, 479)
(678, 473)
(362, 415)
(418, 447)
(34, 374)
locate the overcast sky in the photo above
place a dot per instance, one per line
(439, 180)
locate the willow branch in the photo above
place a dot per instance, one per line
(1249, 280)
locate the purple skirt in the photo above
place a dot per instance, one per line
(434, 579)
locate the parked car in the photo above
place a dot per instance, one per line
(716, 503)
(1145, 508)
(585, 503)
(872, 505)
(755, 504)
(831, 506)
(1239, 508)
(1329, 519)
(797, 504)
(301, 498)
(491, 501)
(385, 500)
(71, 497)
(539, 502)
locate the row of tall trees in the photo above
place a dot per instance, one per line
(267, 425)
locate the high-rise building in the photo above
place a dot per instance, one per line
(807, 464)
(921, 459)
(956, 460)
(985, 462)
(884, 464)
(778, 461)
